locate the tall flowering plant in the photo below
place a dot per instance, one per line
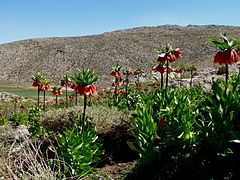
(138, 72)
(168, 55)
(127, 73)
(118, 80)
(66, 82)
(161, 68)
(45, 86)
(38, 80)
(74, 87)
(228, 51)
(56, 90)
(191, 69)
(84, 86)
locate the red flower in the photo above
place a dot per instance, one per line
(63, 83)
(177, 53)
(170, 57)
(170, 69)
(16, 101)
(137, 72)
(36, 84)
(113, 73)
(116, 74)
(162, 123)
(162, 59)
(73, 86)
(156, 85)
(117, 84)
(88, 90)
(218, 58)
(45, 87)
(128, 73)
(159, 68)
(110, 91)
(226, 57)
(121, 92)
(57, 92)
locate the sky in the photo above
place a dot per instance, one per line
(24, 19)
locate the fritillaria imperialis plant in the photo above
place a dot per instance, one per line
(127, 73)
(191, 69)
(45, 86)
(161, 68)
(168, 54)
(228, 51)
(181, 70)
(138, 72)
(38, 79)
(56, 90)
(66, 82)
(73, 86)
(117, 74)
(16, 101)
(84, 85)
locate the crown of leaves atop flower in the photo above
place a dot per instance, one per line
(66, 78)
(168, 53)
(116, 68)
(182, 67)
(127, 71)
(84, 77)
(192, 68)
(39, 77)
(138, 71)
(224, 42)
(56, 88)
(163, 51)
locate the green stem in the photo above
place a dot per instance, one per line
(56, 100)
(167, 76)
(180, 79)
(44, 99)
(84, 111)
(161, 81)
(115, 88)
(76, 100)
(227, 73)
(38, 96)
(127, 91)
(15, 107)
(66, 97)
(191, 82)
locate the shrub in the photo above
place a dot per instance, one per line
(35, 126)
(79, 149)
(19, 118)
(222, 121)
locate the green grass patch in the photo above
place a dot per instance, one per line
(26, 92)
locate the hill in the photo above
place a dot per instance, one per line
(132, 48)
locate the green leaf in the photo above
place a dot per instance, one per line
(130, 144)
(216, 44)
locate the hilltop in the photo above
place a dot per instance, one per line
(131, 48)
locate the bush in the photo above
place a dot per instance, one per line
(35, 126)
(19, 118)
(79, 150)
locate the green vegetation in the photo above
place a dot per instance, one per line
(23, 92)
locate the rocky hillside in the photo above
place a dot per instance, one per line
(131, 48)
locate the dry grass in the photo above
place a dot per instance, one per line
(24, 157)
(103, 117)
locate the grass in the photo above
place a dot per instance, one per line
(26, 92)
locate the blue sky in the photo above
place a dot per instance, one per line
(23, 19)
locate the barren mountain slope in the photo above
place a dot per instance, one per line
(131, 48)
